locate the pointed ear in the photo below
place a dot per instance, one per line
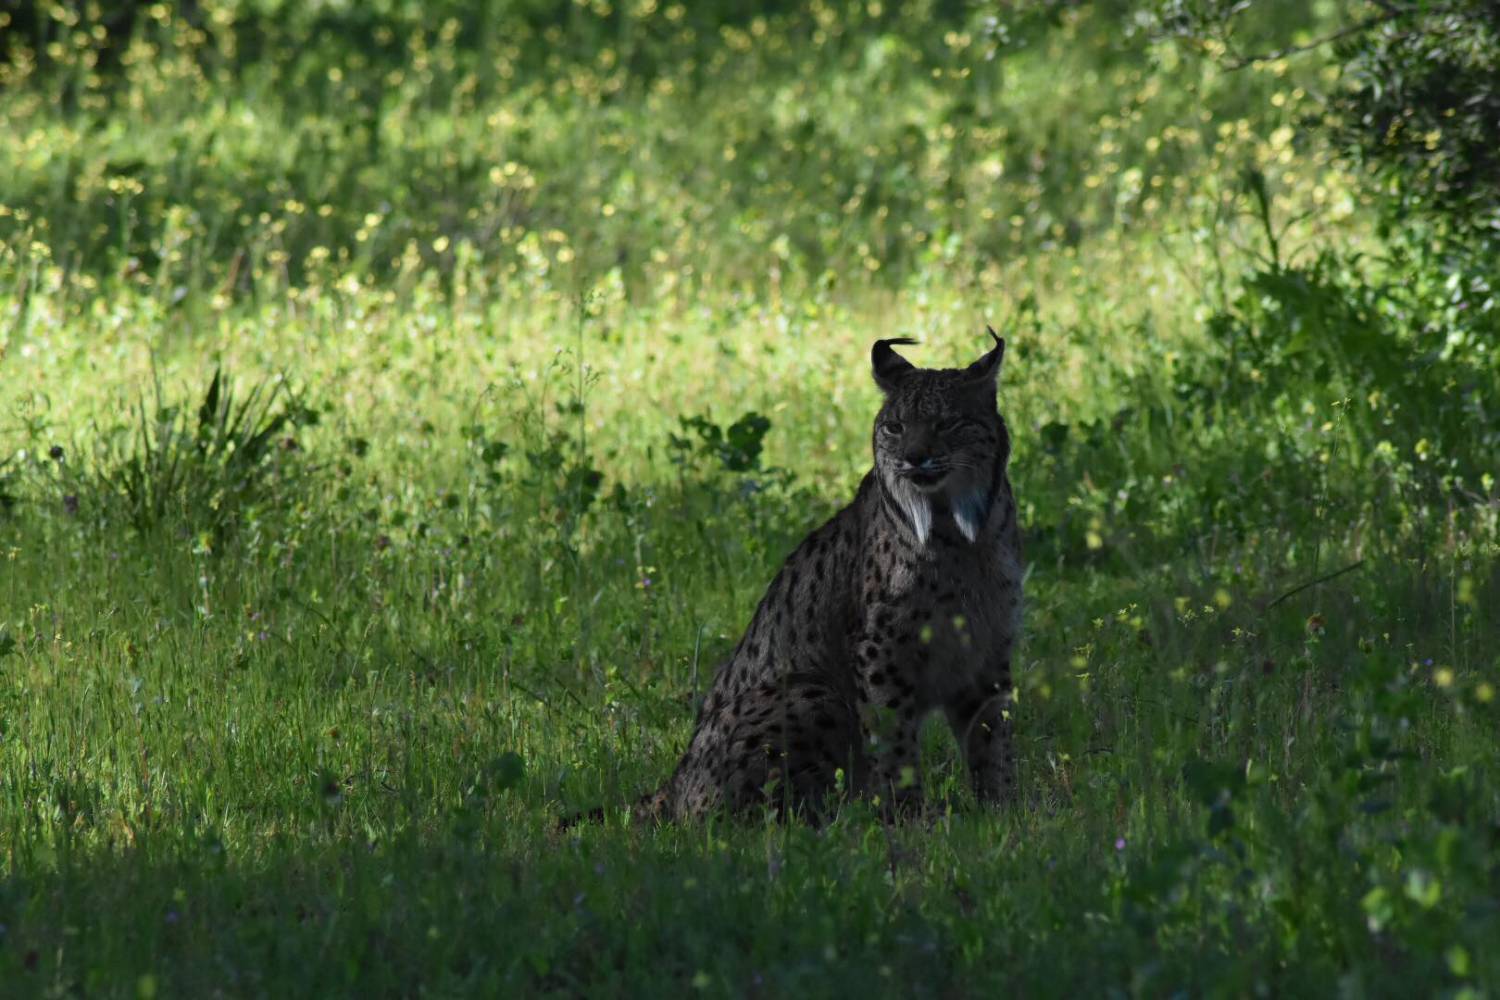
(890, 367)
(987, 368)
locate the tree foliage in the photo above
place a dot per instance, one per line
(1420, 107)
(1416, 101)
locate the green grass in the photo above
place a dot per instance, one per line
(297, 713)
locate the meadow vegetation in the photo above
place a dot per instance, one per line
(403, 406)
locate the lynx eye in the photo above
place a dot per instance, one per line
(891, 428)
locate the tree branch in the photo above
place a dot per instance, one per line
(1391, 14)
(1313, 583)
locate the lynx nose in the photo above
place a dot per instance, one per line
(917, 461)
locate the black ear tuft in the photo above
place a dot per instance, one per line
(988, 366)
(890, 367)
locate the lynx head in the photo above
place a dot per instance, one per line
(940, 442)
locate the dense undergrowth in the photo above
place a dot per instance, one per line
(402, 416)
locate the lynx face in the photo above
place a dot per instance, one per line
(939, 442)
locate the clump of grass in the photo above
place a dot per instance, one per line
(195, 467)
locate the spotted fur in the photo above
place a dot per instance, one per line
(907, 602)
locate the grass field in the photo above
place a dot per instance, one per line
(381, 478)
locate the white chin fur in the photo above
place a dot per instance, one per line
(918, 511)
(968, 514)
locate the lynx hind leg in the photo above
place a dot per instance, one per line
(787, 756)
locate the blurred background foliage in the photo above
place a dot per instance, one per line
(1416, 100)
(234, 144)
(1312, 181)
(735, 143)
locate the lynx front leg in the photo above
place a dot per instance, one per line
(982, 724)
(889, 719)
